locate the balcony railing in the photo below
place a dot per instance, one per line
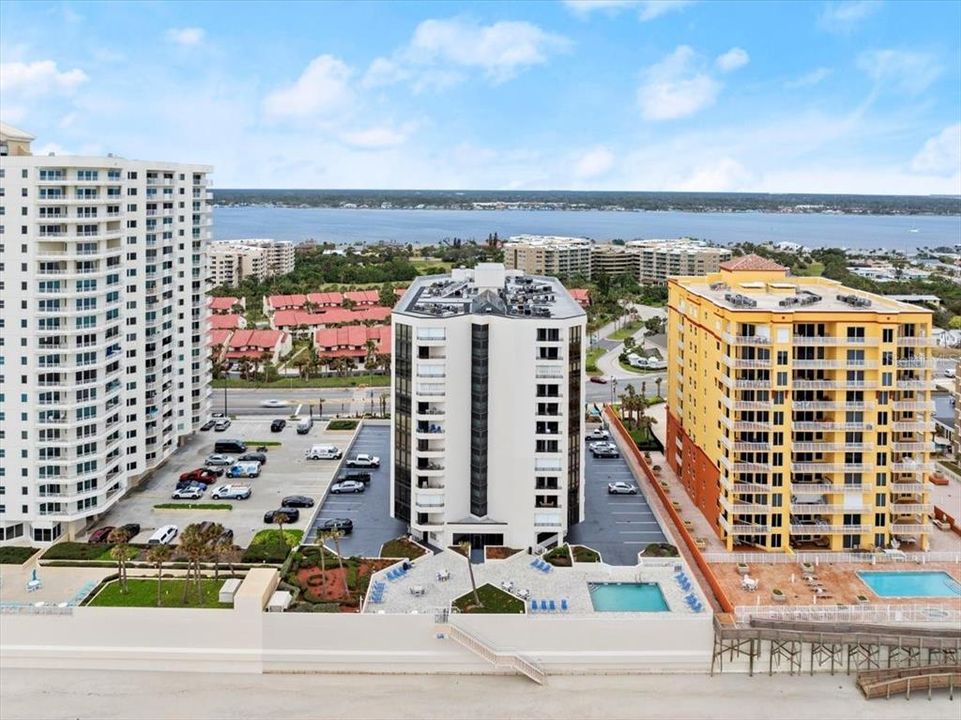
(911, 528)
(829, 529)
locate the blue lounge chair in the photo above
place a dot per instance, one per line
(543, 607)
(533, 606)
(552, 606)
(534, 562)
(546, 567)
(564, 605)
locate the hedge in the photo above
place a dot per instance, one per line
(14, 555)
(342, 424)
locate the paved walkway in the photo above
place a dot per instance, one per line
(58, 584)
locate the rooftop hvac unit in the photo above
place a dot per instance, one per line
(855, 300)
(738, 300)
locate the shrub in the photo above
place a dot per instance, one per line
(268, 546)
(401, 548)
(78, 551)
(585, 554)
(342, 424)
(660, 550)
(559, 556)
(13, 555)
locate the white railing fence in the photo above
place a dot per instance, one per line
(850, 613)
(831, 557)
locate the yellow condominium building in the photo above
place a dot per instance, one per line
(800, 411)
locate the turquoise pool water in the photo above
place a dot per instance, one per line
(627, 597)
(911, 584)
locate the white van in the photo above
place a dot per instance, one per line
(304, 426)
(164, 535)
(323, 452)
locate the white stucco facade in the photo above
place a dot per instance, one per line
(494, 415)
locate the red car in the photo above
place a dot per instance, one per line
(204, 475)
(100, 536)
(599, 379)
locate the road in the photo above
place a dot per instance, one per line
(337, 401)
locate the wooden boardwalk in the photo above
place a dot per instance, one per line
(885, 683)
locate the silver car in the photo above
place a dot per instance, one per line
(219, 460)
(621, 488)
(347, 486)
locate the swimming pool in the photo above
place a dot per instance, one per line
(911, 584)
(627, 597)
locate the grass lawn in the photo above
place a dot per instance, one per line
(143, 593)
(342, 424)
(585, 554)
(493, 600)
(627, 331)
(432, 264)
(193, 506)
(267, 545)
(592, 355)
(265, 443)
(297, 382)
(401, 548)
(78, 551)
(13, 555)
(631, 369)
(813, 269)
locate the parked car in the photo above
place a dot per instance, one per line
(598, 433)
(231, 492)
(292, 515)
(132, 529)
(304, 426)
(100, 535)
(604, 450)
(221, 425)
(258, 457)
(244, 470)
(181, 484)
(364, 460)
(347, 486)
(278, 425)
(363, 477)
(599, 379)
(203, 475)
(219, 460)
(217, 415)
(323, 452)
(207, 425)
(345, 524)
(192, 492)
(230, 446)
(164, 535)
(621, 488)
(297, 501)
(273, 403)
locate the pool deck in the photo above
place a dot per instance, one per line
(570, 583)
(840, 580)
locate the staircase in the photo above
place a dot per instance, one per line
(511, 661)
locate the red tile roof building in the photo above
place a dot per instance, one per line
(351, 342)
(290, 320)
(751, 262)
(226, 322)
(224, 305)
(581, 295)
(363, 297)
(255, 344)
(219, 338)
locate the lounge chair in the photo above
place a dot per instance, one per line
(564, 605)
(546, 567)
(543, 607)
(534, 562)
(552, 606)
(533, 606)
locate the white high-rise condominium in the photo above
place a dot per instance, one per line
(103, 369)
(488, 405)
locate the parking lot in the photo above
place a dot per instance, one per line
(285, 473)
(370, 510)
(617, 526)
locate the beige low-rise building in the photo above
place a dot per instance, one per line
(549, 255)
(230, 262)
(657, 260)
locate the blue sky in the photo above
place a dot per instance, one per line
(860, 97)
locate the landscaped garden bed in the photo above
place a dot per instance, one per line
(585, 554)
(142, 592)
(193, 506)
(660, 550)
(559, 556)
(14, 555)
(267, 546)
(499, 552)
(493, 600)
(320, 587)
(401, 548)
(83, 551)
(342, 424)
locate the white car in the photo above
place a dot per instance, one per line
(219, 460)
(364, 460)
(231, 492)
(188, 493)
(273, 403)
(621, 488)
(347, 486)
(598, 434)
(164, 535)
(221, 425)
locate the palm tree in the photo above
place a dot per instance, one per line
(278, 520)
(193, 544)
(225, 547)
(383, 362)
(628, 403)
(121, 552)
(657, 381)
(644, 390)
(464, 548)
(336, 534)
(383, 403)
(322, 537)
(157, 556)
(212, 536)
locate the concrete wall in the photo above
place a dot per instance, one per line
(252, 642)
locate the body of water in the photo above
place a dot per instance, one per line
(425, 227)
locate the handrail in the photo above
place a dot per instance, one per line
(480, 648)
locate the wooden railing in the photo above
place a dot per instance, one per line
(618, 427)
(885, 683)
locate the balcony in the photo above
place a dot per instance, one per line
(912, 447)
(739, 508)
(743, 528)
(912, 467)
(751, 488)
(912, 487)
(829, 447)
(745, 339)
(832, 340)
(912, 406)
(817, 467)
(910, 508)
(829, 529)
(923, 342)
(813, 509)
(911, 528)
(912, 426)
(830, 426)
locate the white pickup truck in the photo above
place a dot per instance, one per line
(364, 461)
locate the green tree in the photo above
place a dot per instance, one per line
(157, 556)
(121, 552)
(464, 549)
(336, 535)
(955, 323)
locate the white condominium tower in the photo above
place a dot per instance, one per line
(103, 369)
(488, 405)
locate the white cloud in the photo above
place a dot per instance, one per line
(900, 70)
(723, 175)
(809, 79)
(12, 114)
(843, 17)
(187, 36)
(439, 48)
(321, 91)
(39, 78)
(376, 138)
(732, 60)
(593, 163)
(647, 9)
(676, 87)
(941, 155)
